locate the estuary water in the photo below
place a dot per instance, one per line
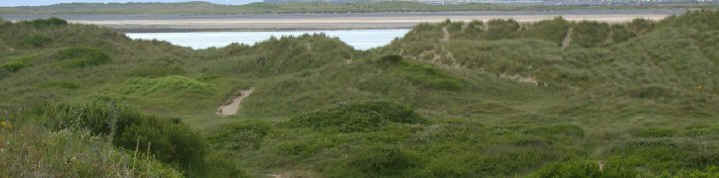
(359, 39)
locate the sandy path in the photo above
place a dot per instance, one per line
(350, 22)
(233, 107)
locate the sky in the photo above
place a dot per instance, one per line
(7, 3)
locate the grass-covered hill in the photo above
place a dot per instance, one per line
(495, 99)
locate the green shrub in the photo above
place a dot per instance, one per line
(583, 168)
(34, 150)
(551, 30)
(360, 117)
(36, 40)
(641, 26)
(168, 84)
(83, 57)
(390, 59)
(621, 33)
(501, 29)
(46, 23)
(241, 136)
(652, 132)
(168, 140)
(590, 34)
(14, 66)
(429, 77)
(384, 161)
(557, 130)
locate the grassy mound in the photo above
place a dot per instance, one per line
(361, 117)
(168, 84)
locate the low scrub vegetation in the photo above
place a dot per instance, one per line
(455, 99)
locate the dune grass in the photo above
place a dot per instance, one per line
(497, 99)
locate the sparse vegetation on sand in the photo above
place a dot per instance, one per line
(498, 99)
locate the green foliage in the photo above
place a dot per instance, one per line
(83, 57)
(383, 161)
(47, 23)
(33, 150)
(501, 29)
(551, 30)
(245, 135)
(168, 84)
(652, 132)
(589, 34)
(358, 117)
(14, 66)
(583, 168)
(36, 40)
(168, 140)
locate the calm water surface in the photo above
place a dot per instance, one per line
(359, 39)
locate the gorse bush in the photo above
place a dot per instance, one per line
(82, 57)
(359, 117)
(168, 140)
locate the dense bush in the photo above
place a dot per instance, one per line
(359, 117)
(584, 168)
(167, 84)
(168, 140)
(33, 150)
(384, 161)
(13, 66)
(501, 29)
(45, 23)
(83, 57)
(36, 40)
(241, 136)
(590, 34)
(551, 30)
